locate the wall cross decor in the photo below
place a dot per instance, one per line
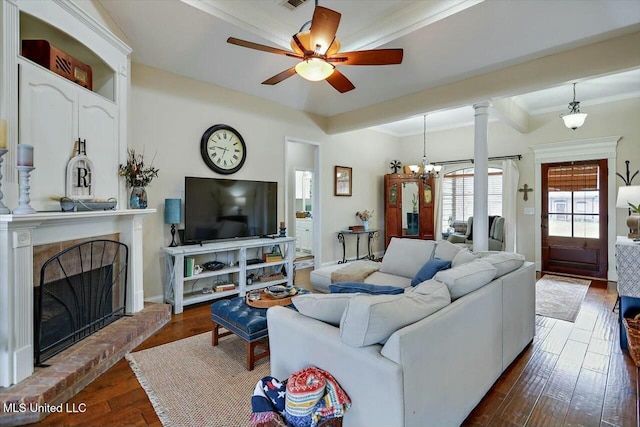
(525, 190)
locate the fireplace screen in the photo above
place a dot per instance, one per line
(82, 290)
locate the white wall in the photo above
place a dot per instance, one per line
(169, 114)
(614, 118)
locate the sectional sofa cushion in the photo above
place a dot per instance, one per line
(446, 250)
(327, 308)
(364, 288)
(355, 271)
(463, 257)
(379, 278)
(404, 257)
(467, 278)
(505, 262)
(370, 319)
(429, 269)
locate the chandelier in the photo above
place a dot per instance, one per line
(574, 119)
(427, 170)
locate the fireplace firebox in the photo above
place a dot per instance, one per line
(82, 289)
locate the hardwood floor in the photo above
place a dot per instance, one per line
(572, 374)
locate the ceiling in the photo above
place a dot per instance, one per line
(444, 41)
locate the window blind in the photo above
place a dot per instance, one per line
(573, 178)
(457, 195)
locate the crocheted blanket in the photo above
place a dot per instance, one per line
(313, 395)
(305, 399)
(355, 271)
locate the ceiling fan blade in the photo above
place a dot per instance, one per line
(324, 26)
(262, 47)
(340, 82)
(280, 76)
(369, 57)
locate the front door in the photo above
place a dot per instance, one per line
(574, 218)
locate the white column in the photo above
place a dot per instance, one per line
(481, 178)
(16, 303)
(131, 234)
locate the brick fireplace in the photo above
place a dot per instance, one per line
(19, 234)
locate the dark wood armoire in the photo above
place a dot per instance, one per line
(408, 207)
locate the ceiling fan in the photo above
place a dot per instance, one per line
(317, 48)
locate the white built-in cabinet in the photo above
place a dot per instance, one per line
(54, 113)
(51, 113)
(304, 235)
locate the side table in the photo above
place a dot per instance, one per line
(628, 267)
(371, 235)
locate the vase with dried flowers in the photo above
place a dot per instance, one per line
(137, 177)
(365, 217)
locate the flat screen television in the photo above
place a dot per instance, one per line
(227, 209)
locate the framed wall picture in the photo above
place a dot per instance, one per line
(343, 180)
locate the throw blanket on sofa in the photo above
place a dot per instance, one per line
(313, 395)
(267, 402)
(355, 271)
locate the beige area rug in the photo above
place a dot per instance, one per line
(560, 297)
(191, 383)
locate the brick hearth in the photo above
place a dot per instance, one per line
(73, 369)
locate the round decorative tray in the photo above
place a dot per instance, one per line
(267, 300)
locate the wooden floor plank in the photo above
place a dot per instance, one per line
(619, 406)
(565, 375)
(548, 412)
(585, 408)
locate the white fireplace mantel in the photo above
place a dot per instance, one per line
(18, 235)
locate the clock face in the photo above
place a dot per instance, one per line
(223, 149)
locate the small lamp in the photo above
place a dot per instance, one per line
(630, 194)
(173, 216)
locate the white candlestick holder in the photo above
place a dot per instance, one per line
(23, 202)
(3, 208)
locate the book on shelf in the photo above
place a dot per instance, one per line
(189, 263)
(225, 287)
(271, 257)
(356, 228)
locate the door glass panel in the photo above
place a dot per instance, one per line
(586, 226)
(586, 202)
(410, 209)
(393, 194)
(559, 225)
(428, 197)
(559, 202)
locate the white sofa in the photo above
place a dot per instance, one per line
(429, 373)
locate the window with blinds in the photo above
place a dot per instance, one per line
(573, 200)
(457, 195)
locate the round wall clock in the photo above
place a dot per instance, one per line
(223, 149)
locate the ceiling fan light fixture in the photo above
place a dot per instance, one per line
(314, 69)
(574, 119)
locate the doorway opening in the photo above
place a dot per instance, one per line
(574, 218)
(303, 205)
(302, 200)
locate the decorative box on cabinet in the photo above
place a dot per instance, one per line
(180, 290)
(408, 207)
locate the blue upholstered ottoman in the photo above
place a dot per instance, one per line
(249, 323)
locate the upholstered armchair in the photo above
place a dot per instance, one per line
(496, 234)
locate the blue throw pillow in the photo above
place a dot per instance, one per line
(364, 288)
(429, 269)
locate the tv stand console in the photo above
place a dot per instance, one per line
(181, 290)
